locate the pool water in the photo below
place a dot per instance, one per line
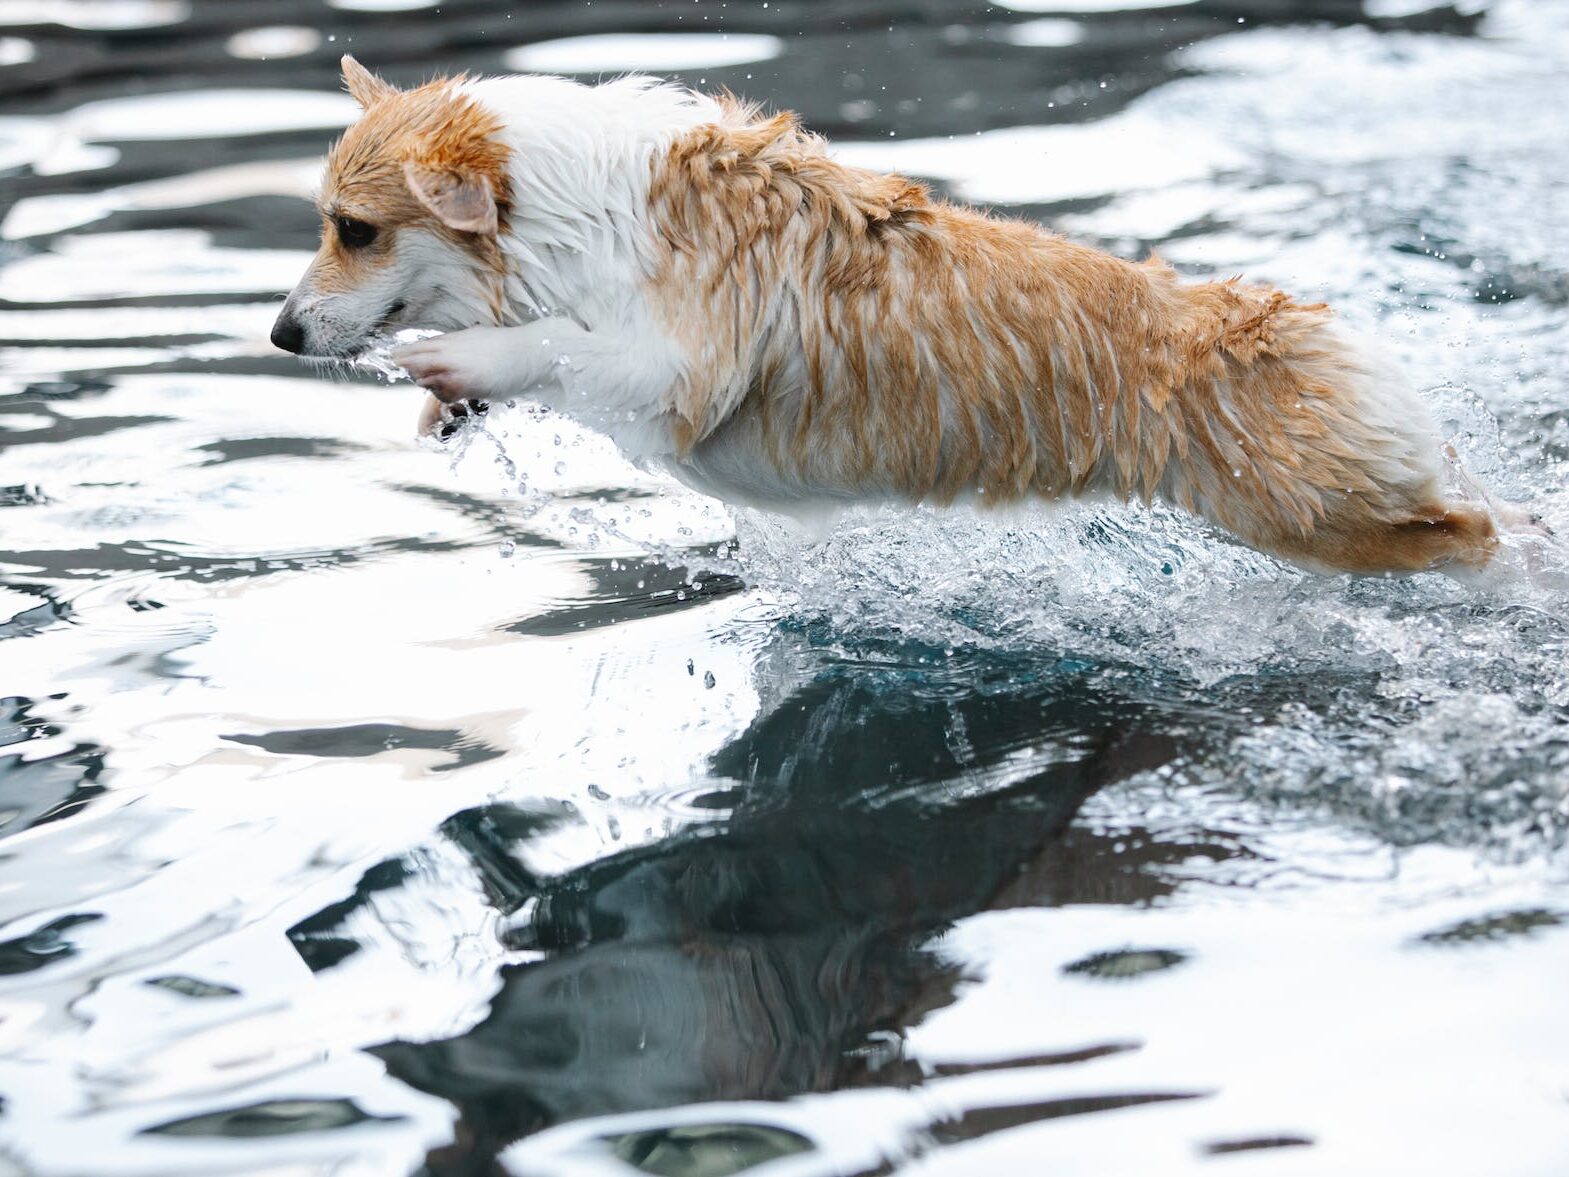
(369, 807)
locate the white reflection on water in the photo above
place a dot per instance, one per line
(38, 216)
(1132, 151)
(1046, 33)
(646, 52)
(166, 261)
(1086, 6)
(207, 114)
(95, 14)
(16, 51)
(380, 5)
(74, 141)
(273, 41)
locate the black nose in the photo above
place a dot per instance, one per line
(288, 334)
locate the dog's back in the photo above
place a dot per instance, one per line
(862, 340)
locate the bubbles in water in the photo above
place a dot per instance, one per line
(1420, 707)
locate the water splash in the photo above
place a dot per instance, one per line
(377, 355)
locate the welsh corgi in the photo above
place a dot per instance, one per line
(711, 288)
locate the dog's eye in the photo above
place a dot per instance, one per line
(354, 234)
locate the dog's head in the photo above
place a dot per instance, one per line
(412, 200)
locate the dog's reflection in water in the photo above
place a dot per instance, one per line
(763, 957)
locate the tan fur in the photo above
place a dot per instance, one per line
(943, 352)
(363, 86)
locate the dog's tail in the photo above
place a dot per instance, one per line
(1315, 447)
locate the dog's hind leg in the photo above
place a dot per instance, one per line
(1458, 538)
(1475, 542)
(1511, 517)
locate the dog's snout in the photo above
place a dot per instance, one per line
(288, 333)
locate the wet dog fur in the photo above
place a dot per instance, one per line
(711, 288)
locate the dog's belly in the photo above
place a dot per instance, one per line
(786, 451)
(766, 456)
(738, 465)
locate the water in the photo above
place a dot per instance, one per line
(494, 806)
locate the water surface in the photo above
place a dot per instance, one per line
(373, 809)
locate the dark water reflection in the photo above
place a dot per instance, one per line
(782, 950)
(369, 810)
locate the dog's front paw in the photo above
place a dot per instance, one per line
(461, 366)
(441, 421)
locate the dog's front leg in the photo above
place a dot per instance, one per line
(490, 363)
(441, 420)
(610, 382)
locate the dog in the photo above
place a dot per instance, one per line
(708, 286)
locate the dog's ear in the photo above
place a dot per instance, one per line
(462, 202)
(363, 86)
